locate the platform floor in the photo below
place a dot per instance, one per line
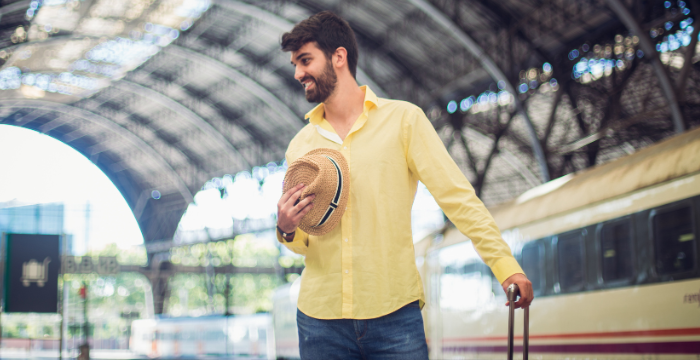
(94, 354)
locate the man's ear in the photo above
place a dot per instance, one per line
(340, 57)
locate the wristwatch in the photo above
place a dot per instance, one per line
(284, 234)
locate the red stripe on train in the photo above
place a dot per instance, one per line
(637, 333)
(623, 348)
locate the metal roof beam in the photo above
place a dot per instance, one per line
(279, 107)
(20, 5)
(183, 111)
(224, 111)
(506, 155)
(111, 127)
(493, 70)
(666, 87)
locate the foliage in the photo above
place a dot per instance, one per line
(135, 255)
(108, 298)
(35, 326)
(248, 293)
(242, 251)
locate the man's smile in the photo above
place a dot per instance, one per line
(307, 84)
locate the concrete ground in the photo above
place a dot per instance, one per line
(94, 354)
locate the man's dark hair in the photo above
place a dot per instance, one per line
(329, 31)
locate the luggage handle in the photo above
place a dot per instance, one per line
(513, 293)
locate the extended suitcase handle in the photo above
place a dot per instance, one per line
(512, 296)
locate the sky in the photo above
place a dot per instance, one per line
(36, 168)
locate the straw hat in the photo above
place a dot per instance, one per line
(327, 175)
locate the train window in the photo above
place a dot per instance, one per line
(570, 259)
(674, 240)
(616, 254)
(533, 264)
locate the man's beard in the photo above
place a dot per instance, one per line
(323, 86)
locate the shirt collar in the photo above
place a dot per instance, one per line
(315, 116)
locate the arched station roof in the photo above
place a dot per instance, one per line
(164, 95)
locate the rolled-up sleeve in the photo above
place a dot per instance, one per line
(429, 160)
(300, 243)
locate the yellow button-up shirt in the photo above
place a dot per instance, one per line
(365, 267)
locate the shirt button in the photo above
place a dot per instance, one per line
(346, 240)
(345, 147)
(347, 271)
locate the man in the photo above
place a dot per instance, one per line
(361, 292)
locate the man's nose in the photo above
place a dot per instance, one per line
(299, 74)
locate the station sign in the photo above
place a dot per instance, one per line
(32, 265)
(103, 265)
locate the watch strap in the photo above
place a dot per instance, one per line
(285, 235)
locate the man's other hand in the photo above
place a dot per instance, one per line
(290, 210)
(525, 286)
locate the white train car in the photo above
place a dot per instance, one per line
(613, 256)
(247, 336)
(284, 320)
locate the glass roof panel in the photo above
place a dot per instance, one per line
(75, 49)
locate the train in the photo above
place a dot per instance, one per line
(612, 253)
(249, 336)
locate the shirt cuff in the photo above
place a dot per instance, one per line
(297, 241)
(505, 268)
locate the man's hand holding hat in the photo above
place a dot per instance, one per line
(324, 175)
(290, 210)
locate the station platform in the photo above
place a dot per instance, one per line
(100, 354)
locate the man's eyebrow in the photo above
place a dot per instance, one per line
(300, 56)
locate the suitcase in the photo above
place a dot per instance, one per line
(512, 296)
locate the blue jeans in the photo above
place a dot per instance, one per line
(396, 336)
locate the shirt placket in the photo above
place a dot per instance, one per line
(346, 227)
(346, 242)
